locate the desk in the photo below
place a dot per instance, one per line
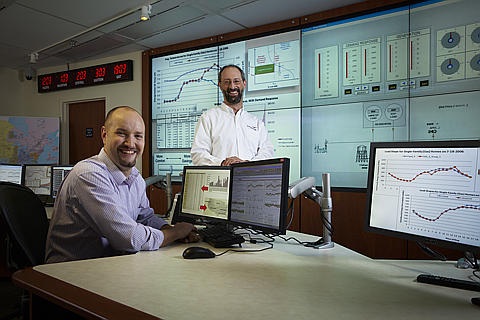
(287, 282)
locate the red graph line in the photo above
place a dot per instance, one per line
(188, 82)
(432, 172)
(445, 211)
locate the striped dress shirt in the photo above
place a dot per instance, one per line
(100, 212)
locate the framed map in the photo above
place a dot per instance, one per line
(29, 140)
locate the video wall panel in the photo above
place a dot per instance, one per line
(325, 92)
(409, 73)
(185, 84)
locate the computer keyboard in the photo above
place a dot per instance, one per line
(220, 237)
(449, 282)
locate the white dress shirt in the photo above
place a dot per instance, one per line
(220, 133)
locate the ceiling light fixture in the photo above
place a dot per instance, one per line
(146, 11)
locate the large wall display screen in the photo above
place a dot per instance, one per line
(325, 92)
(406, 74)
(185, 84)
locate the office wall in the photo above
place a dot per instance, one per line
(21, 98)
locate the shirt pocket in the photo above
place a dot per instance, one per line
(252, 135)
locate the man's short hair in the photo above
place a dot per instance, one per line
(112, 111)
(230, 66)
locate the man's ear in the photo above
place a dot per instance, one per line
(103, 133)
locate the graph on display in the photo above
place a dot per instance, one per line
(258, 196)
(427, 189)
(218, 181)
(444, 175)
(442, 214)
(188, 79)
(188, 86)
(186, 82)
(206, 192)
(416, 61)
(361, 62)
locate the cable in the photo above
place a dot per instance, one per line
(313, 244)
(326, 223)
(472, 259)
(270, 246)
(431, 252)
(291, 211)
(476, 275)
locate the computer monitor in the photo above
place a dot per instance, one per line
(38, 178)
(205, 194)
(259, 195)
(14, 173)
(428, 192)
(59, 173)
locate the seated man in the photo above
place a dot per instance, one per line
(102, 208)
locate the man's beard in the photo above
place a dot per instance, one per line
(126, 163)
(232, 99)
(130, 164)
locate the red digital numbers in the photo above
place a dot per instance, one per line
(81, 75)
(120, 69)
(46, 81)
(64, 77)
(100, 72)
(87, 76)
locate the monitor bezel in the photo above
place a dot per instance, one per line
(273, 230)
(404, 235)
(16, 165)
(196, 218)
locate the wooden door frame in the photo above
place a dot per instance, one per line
(64, 131)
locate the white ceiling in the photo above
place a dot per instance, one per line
(66, 31)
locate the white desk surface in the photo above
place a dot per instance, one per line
(287, 282)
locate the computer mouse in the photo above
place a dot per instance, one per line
(198, 253)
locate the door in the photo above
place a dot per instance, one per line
(85, 120)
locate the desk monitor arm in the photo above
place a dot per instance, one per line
(306, 186)
(165, 183)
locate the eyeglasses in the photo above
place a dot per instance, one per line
(228, 82)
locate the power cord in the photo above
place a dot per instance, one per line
(313, 244)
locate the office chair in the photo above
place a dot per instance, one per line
(27, 225)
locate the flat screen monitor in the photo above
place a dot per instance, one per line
(205, 194)
(259, 196)
(428, 192)
(38, 178)
(59, 173)
(14, 173)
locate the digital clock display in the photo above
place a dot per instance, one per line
(84, 77)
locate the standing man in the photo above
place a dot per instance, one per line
(228, 134)
(102, 208)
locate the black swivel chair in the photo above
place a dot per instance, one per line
(26, 222)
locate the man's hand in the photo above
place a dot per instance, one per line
(180, 231)
(231, 160)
